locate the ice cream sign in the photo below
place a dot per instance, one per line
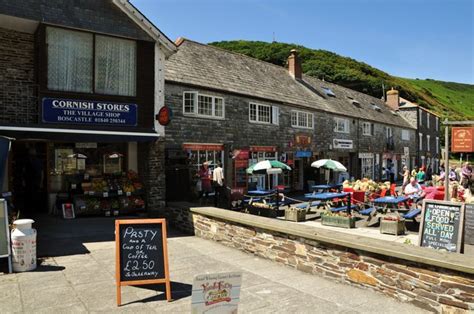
(73, 111)
(216, 293)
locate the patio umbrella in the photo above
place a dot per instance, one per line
(329, 164)
(263, 166)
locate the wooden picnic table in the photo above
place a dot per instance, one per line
(327, 198)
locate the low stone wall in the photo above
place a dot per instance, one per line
(179, 216)
(433, 288)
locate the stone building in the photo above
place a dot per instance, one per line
(234, 109)
(427, 126)
(80, 85)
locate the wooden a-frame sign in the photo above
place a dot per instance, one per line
(141, 254)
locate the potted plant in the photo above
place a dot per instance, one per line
(341, 219)
(392, 224)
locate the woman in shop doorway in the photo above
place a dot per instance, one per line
(205, 177)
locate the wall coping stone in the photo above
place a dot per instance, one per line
(452, 261)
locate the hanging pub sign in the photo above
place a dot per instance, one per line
(462, 140)
(164, 115)
(302, 140)
(141, 254)
(91, 112)
(442, 225)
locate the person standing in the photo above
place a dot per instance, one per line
(205, 177)
(466, 175)
(406, 177)
(218, 181)
(420, 176)
(414, 171)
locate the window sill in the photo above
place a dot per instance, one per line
(302, 127)
(191, 115)
(340, 132)
(263, 123)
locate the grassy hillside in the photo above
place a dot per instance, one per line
(452, 100)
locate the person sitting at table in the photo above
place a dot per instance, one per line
(414, 190)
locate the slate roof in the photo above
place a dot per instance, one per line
(405, 104)
(211, 67)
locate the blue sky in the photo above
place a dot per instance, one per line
(408, 38)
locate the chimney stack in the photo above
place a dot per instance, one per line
(393, 100)
(294, 64)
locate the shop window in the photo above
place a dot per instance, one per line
(198, 157)
(69, 60)
(341, 125)
(203, 105)
(263, 113)
(368, 128)
(405, 135)
(367, 167)
(115, 66)
(301, 119)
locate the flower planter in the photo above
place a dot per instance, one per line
(295, 214)
(338, 221)
(392, 227)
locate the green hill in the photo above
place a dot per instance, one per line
(452, 100)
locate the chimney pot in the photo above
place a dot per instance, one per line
(294, 65)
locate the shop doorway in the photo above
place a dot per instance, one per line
(28, 179)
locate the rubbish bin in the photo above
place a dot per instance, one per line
(23, 245)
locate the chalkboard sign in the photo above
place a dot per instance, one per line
(442, 225)
(141, 253)
(469, 224)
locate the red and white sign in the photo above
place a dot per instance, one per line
(203, 146)
(267, 149)
(462, 139)
(242, 154)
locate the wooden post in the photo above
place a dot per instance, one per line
(446, 161)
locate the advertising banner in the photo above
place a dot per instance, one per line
(462, 139)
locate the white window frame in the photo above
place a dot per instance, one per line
(420, 118)
(370, 126)
(309, 118)
(427, 120)
(196, 106)
(437, 124)
(388, 132)
(346, 125)
(428, 146)
(420, 141)
(437, 145)
(274, 112)
(405, 135)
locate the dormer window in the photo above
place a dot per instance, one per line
(375, 107)
(329, 92)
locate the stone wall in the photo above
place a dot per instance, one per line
(432, 288)
(151, 168)
(18, 92)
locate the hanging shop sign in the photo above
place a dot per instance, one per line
(141, 254)
(73, 111)
(366, 155)
(441, 225)
(164, 115)
(302, 140)
(345, 144)
(267, 149)
(202, 146)
(303, 154)
(462, 139)
(216, 293)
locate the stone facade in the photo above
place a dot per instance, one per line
(98, 16)
(18, 88)
(432, 288)
(237, 130)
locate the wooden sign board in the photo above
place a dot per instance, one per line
(141, 254)
(462, 139)
(442, 225)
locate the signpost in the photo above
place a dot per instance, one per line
(216, 293)
(442, 225)
(141, 254)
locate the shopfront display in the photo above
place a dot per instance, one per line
(366, 165)
(94, 178)
(260, 153)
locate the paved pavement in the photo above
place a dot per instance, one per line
(83, 280)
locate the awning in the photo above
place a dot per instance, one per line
(75, 135)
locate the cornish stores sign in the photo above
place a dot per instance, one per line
(73, 111)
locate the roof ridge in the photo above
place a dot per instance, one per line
(183, 39)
